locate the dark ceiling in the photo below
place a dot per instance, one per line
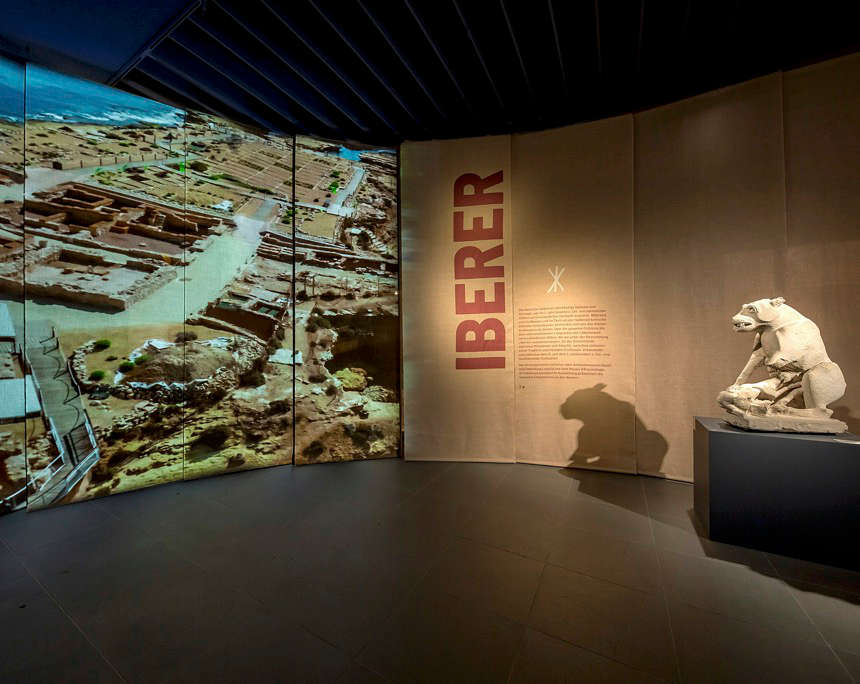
(382, 71)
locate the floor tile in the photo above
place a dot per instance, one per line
(11, 570)
(408, 541)
(718, 649)
(181, 622)
(468, 482)
(545, 659)
(260, 648)
(611, 488)
(667, 498)
(109, 552)
(40, 644)
(836, 614)
(391, 473)
(605, 518)
(442, 638)
(528, 497)
(259, 564)
(26, 530)
(242, 484)
(734, 590)
(393, 571)
(807, 572)
(346, 601)
(498, 580)
(358, 674)
(530, 533)
(255, 492)
(683, 535)
(851, 662)
(432, 512)
(623, 624)
(540, 479)
(633, 564)
(155, 507)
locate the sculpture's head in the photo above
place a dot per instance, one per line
(757, 314)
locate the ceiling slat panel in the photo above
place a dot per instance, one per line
(381, 71)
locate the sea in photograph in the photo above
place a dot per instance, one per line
(11, 91)
(355, 155)
(55, 97)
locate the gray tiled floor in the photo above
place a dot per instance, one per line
(416, 572)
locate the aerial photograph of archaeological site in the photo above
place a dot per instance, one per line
(168, 310)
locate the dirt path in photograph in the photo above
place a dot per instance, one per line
(194, 287)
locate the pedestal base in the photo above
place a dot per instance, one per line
(793, 494)
(786, 422)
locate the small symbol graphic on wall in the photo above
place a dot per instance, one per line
(556, 279)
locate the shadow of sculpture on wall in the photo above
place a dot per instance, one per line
(611, 432)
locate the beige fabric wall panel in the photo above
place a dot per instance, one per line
(822, 144)
(573, 295)
(710, 235)
(458, 367)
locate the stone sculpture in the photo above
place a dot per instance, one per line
(802, 380)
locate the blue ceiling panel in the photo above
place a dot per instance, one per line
(91, 38)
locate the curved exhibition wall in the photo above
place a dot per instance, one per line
(181, 296)
(568, 293)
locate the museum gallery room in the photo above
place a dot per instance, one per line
(429, 341)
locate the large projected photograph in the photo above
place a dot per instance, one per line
(347, 399)
(238, 355)
(168, 309)
(164, 320)
(107, 241)
(16, 383)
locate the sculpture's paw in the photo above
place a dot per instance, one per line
(734, 410)
(726, 399)
(741, 396)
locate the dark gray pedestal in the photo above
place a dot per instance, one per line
(792, 494)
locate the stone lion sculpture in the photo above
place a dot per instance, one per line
(802, 380)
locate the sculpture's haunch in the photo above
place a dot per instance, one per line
(802, 380)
